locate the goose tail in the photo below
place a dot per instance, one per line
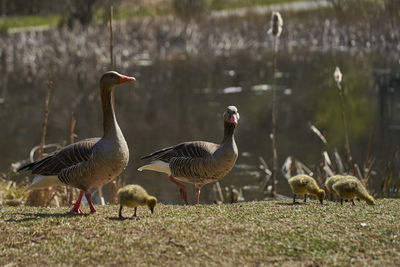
(40, 182)
(158, 166)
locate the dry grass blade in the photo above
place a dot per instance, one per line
(368, 170)
(264, 165)
(36, 148)
(358, 171)
(287, 168)
(328, 170)
(327, 159)
(339, 162)
(301, 168)
(319, 134)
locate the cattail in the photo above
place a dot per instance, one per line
(276, 24)
(338, 75)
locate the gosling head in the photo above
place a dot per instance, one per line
(113, 78)
(370, 200)
(321, 195)
(231, 115)
(151, 203)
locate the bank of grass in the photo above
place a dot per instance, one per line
(29, 21)
(130, 10)
(252, 233)
(164, 7)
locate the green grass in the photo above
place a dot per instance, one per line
(143, 10)
(250, 233)
(28, 21)
(232, 4)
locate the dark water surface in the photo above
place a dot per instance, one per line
(183, 99)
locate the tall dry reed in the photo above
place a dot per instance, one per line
(41, 197)
(275, 31)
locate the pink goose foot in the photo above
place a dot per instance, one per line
(182, 189)
(76, 208)
(89, 199)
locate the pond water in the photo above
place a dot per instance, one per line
(183, 99)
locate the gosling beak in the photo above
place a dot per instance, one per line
(125, 79)
(152, 210)
(234, 119)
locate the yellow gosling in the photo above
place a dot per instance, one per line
(331, 180)
(350, 188)
(133, 196)
(304, 184)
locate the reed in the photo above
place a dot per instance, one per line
(41, 197)
(71, 192)
(111, 38)
(275, 31)
(338, 79)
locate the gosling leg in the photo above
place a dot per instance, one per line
(294, 199)
(305, 198)
(120, 212)
(134, 215)
(341, 201)
(182, 189)
(352, 201)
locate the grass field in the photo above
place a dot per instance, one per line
(253, 233)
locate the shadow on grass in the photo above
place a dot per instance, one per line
(123, 219)
(292, 204)
(37, 216)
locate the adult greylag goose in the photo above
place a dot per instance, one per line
(91, 162)
(198, 162)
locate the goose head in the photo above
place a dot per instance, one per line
(231, 115)
(113, 78)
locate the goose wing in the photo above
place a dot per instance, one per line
(196, 149)
(66, 157)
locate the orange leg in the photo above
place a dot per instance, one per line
(89, 199)
(182, 189)
(76, 209)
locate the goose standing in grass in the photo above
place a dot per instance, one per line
(351, 188)
(133, 196)
(91, 162)
(304, 184)
(198, 162)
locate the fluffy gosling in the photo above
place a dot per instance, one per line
(350, 188)
(332, 180)
(304, 184)
(133, 196)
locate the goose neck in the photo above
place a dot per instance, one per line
(110, 124)
(229, 129)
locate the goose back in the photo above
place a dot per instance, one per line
(56, 162)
